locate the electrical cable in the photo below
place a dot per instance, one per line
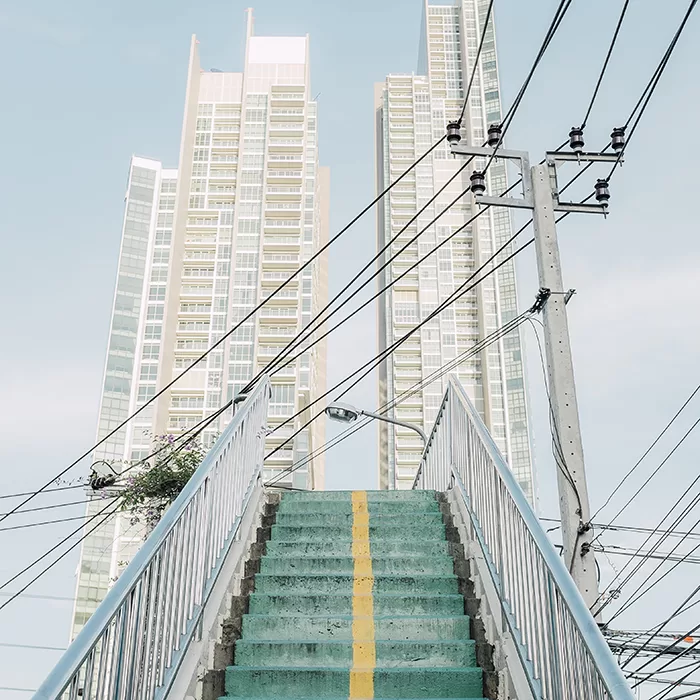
(663, 556)
(605, 63)
(639, 461)
(283, 356)
(561, 10)
(630, 528)
(42, 522)
(53, 563)
(288, 360)
(457, 293)
(558, 451)
(374, 362)
(467, 95)
(507, 328)
(306, 264)
(656, 629)
(643, 102)
(31, 493)
(199, 427)
(668, 556)
(668, 513)
(55, 505)
(693, 646)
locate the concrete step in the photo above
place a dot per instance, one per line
(374, 507)
(340, 627)
(343, 583)
(343, 548)
(384, 604)
(246, 682)
(395, 565)
(372, 496)
(389, 654)
(410, 531)
(413, 518)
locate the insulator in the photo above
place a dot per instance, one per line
(478, 183)
(576, 139)
(618, 138)
(494, 135)
(453, 133)
(602, 193)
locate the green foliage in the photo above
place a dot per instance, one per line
(151, 489)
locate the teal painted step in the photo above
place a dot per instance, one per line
(413, 518)
(339, 583)
(244, 682)
(409, 531)
(389, 654)
(396, 565)
(384, 604)
(375, 507)
(315, 497)
(343, 548)
(339, 627)
(297, 640)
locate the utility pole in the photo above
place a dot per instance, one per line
(541, 196)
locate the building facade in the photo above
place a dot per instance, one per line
(201, 247)
(412, 112)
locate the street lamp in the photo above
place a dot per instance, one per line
(345, 413)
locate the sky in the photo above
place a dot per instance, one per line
(89, 84)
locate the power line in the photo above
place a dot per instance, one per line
(31, 646)
(668, 513)
(51, 507)
(643, 102)
(437, 374)
(630, 528)
(31, 493)
(199, 427)
(43, 522)
(561, 10)
(283, 356)
(639, 461)
(663, 556)
(53, 563)
(489, 9)
(288, 360)
(306, 264)
(605, 63)
(374, 362)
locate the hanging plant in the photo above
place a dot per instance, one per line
(152, 487)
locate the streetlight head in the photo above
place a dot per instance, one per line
(343, 412)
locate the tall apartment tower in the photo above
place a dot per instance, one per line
(412, 112)
(201, 247)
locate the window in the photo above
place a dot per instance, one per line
(149, 373)
(163, 237)
(150, 352)
(152, 332)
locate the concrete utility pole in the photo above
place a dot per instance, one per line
(541, 196)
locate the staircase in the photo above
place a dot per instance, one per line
(356, 598)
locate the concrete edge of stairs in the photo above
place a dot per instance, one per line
(214, 679)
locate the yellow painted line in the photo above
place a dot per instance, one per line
(364, 656)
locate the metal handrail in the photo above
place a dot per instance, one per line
(562, 652)
(133, 644)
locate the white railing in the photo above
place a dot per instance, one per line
(134, 643)
(561, 650)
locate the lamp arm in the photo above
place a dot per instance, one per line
(386, 419)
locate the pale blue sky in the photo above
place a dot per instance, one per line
(87, 84)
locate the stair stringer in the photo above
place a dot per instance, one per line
(512, 679)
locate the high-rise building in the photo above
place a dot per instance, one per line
(412, 112)
(201, 247)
